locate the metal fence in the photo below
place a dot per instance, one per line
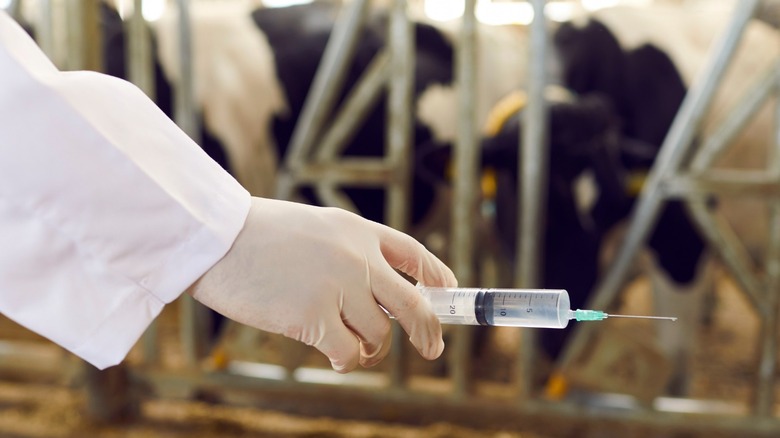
(392, 395)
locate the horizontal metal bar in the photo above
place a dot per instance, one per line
(30, 358)
(475, 411)
(330, 195)
(744, 183)
(354, 171)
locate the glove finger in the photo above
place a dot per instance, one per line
(371, 355)
(371, 325)
(409, 308)
(408, 255)
(340, 345)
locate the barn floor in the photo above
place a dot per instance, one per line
(36, 410)
(723, 369)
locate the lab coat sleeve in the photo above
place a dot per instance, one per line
(108, 211)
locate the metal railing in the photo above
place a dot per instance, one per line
(319, 165)
(661, 186)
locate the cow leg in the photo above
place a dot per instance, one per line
(687, 302)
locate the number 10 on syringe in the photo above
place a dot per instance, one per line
(544, 308)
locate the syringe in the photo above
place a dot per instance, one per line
(545, 308)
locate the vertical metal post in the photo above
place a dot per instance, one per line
(465, 188)
(140, 71)
(15, 9)
(185, 112)
(74, 36)
(399, 104)
(770, 323)
(140, 68)
(672, 152)
(534, 159)
(44, 34)
(398, 145)
(93, 42)
(108, 393)
(193, 315)
(84, 36)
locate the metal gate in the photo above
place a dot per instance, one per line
(395, 394)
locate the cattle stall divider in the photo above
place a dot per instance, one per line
(393, 398)
(325, 171)
(666, 180)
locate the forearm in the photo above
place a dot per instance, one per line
(107, 210)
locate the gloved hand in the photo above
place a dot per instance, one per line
(317, 275)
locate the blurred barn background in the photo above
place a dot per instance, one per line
(627, 151)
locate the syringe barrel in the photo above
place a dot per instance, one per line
(544, 308)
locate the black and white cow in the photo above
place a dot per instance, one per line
(253, 68)
(632, 67)
(645, 59)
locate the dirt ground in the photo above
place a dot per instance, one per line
(36, 410)
(723, 368)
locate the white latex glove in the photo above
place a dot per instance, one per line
(316, 275)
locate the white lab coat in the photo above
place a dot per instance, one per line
(107, 210)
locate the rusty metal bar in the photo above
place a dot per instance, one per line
(532, 186)
(464, 209)
(672, 152)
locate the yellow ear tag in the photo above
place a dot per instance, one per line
(508, 106)
(635, 182)
(557, 386)
(488, 183)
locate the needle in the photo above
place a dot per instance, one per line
(598, 315)
(668, 318)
